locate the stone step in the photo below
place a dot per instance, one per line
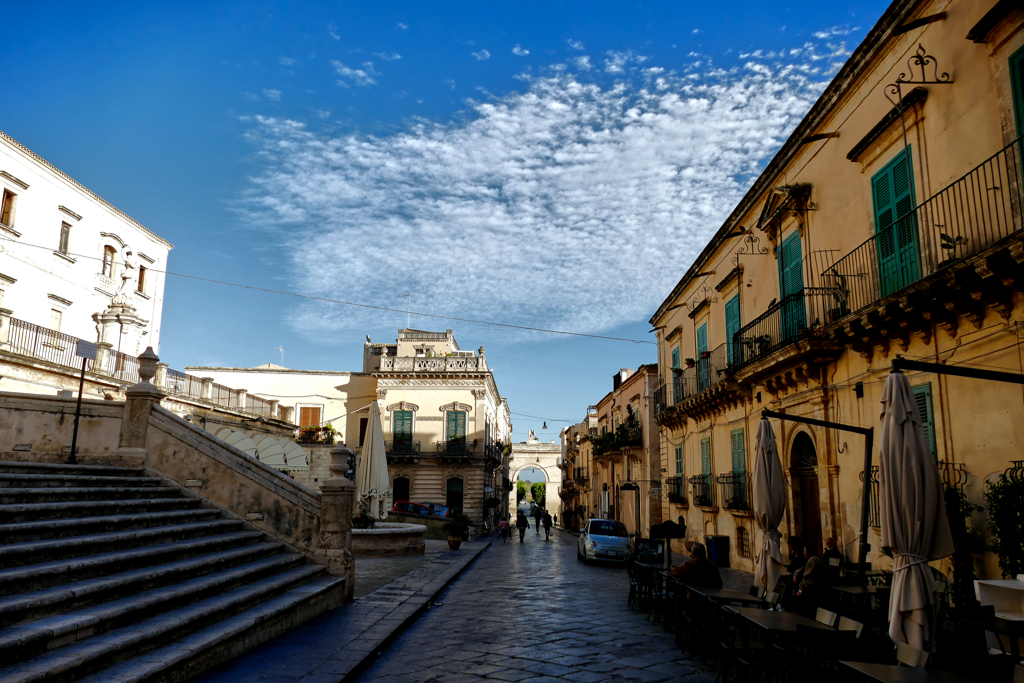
(14, 496)
(21, 532)
(46, 550)
(26, 512)
(48, 573)
(9, 466)
(75, 649)
(73, 596)
(25, 480)
(227, 638)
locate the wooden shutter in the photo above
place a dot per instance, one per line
(892, 191)
(456, 424)
(705, 456)
(679, 460)
(402, 426)
(739, 452)
(923, 397)
(309, 417)
(1017, 83)
(5, 209)
(732, 326)
(791, 277)
(675, 357)
(703, 364)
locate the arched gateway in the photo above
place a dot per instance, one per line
(536, 454)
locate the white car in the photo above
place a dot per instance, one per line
(603, 539)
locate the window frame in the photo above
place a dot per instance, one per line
(8, 202)
(64, 243)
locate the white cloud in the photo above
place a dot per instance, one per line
(362, 77)
(583, 63)
(574, 44)
(274, 95)
(287, 61)
(482, 55)
(450, 82)
(401, 27)
(392, 57)
(576, 204)
(695, 31)
(617, 61)
(519, 51)
(332, 31)
(322, 113)
(835, 31)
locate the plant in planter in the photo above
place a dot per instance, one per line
(457, 528)
(1006, 522)
(690, 362)
(703, 500)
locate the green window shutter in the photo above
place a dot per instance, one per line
(675, 357)
(679, 460)
(923, 397)
(456, 424)
(739, 452)
(732, 326)
(791, 277)
(703, 364)
(705, 456)
(892, 190)
(1017, 84)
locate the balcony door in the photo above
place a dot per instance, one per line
(703, 362)
(791, 284)
(732, 326)
(456, 432)
(402, 432)
(892, 193)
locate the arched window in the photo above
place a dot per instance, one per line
(453, 493)
(804, 454)
(109, 254)
(400, 488)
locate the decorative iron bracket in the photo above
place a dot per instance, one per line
(749, 246)
(699, 300)
(920, 60)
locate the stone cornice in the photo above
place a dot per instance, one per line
(69, 212)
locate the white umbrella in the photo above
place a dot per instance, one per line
(913, 515)
(373, 487)
(769, 506)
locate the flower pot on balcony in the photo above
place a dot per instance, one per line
(690, 362)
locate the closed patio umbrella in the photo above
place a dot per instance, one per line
(373, 486)
(769, 506)
(913, 515)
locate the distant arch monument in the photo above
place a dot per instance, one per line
(534, 453)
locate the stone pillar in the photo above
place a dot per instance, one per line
(5, 328)
(102, 361)
(337, 494)
(274, 403)
(206, 390)
(160, 379)
(139, 402)
(242, 393)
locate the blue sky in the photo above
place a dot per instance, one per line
(553, 165)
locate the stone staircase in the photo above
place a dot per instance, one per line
(109, 574)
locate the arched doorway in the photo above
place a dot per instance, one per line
(453, 496)
(806, 504)
(400, 488)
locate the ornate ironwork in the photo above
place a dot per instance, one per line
(1016, 472)
(953, 474)
(749, 246)
(699, 300)
(922, 60)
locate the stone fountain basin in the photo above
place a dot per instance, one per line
(389, 539)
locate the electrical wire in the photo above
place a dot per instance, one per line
(356, 304)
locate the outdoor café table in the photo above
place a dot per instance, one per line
(1013, 628)
(727, 595)
(775, 622)
(890, 673)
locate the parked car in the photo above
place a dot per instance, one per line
(603, 539)
(412, 508)
(439, 509)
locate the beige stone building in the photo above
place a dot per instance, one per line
(446, 427)
(888, 223)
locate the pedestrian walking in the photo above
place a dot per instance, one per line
(522, 523)
(504, 529)
(547, 526)
(537, 515)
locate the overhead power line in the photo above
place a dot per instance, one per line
(359, 305)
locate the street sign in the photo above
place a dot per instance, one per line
(84, 349)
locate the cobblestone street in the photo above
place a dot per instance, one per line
(532, 612)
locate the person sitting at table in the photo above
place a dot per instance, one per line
(797, 556)
(833, 558)
(698, 571)
(812, 584)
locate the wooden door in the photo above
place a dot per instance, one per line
(810, 508)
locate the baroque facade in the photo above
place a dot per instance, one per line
(888, 223)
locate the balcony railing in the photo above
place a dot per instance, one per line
(454, 448)
(676, 490)
(874, 514)
(963, 219)
(703, 488)
(258, 406)
(435, 364)
(783, 323)
(734, 491)
(402, 447)
(581, 474)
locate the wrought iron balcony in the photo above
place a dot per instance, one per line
(703, 488)
(581, 475)
(734, 491)
(454, 448)
(676, 490)
(965, 219)
(784, 323)
(402, 447)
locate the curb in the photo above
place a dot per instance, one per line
(415, 606)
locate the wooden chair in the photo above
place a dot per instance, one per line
(908, 655)
(823, 616)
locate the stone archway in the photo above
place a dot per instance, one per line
(536, 454)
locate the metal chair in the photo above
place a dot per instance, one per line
(908, 655)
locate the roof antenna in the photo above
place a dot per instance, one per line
(281, 349)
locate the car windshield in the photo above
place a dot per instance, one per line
(602, 527)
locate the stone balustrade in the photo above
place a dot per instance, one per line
(434, 364)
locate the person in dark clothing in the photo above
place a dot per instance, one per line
(812, 583)
(796, 554)
(522, 523)
(833, 558)
(546, 521)
(698, 570)
(537, 515)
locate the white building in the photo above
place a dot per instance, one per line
(65, 254)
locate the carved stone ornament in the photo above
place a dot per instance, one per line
(455, 405)
(401, 405)
(382, 394)
(454, 472)
(479, 394)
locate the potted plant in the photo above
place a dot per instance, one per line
(705, 355)
(690, 362)
(457, 528)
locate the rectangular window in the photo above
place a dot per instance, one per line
(142, 280)
(892, 194)
(923, 398)
(456, 425)
(65, 238)
(55, 319)
(7, 208)
(1017, 85)
(791, 283)
(677, 389)
(732, 326)
(309, 416)
(402, 427)
(679, 460)
(739, 451)
(703, 364)
(363, 422)
(705, 456)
